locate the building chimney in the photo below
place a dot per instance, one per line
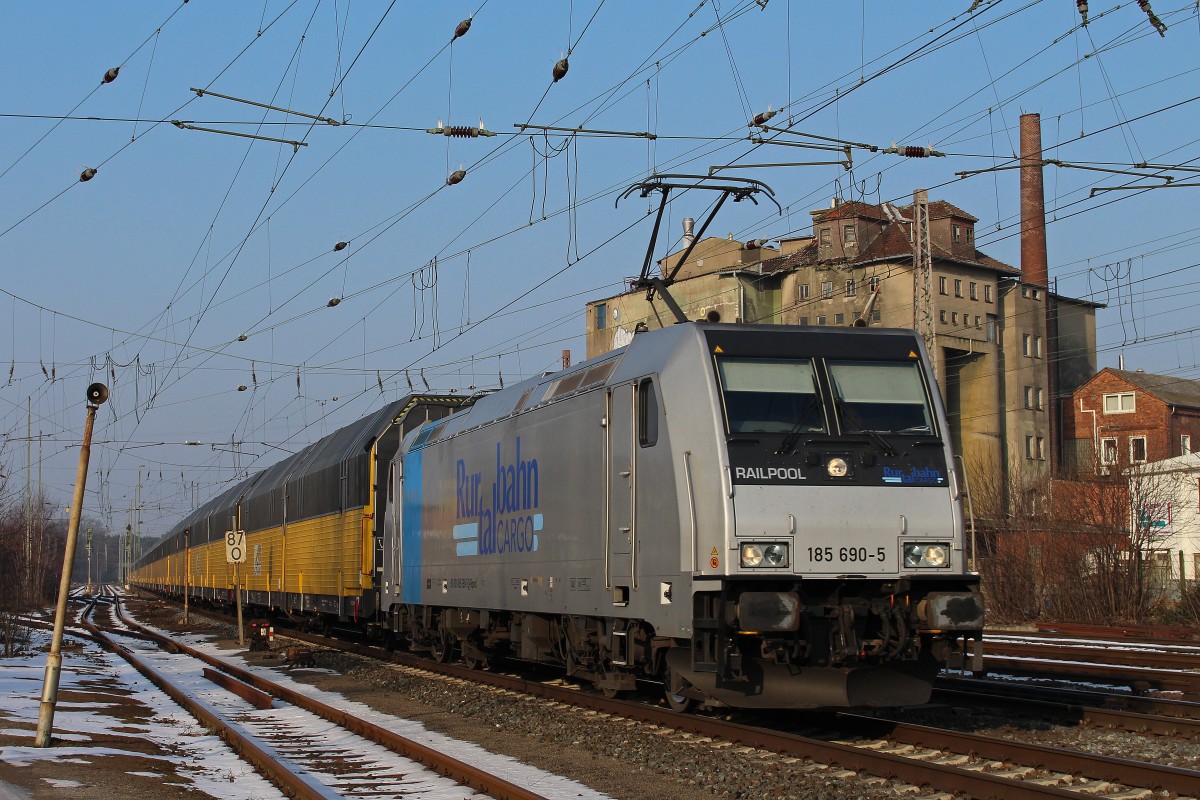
(688, 235)
(1033, 203)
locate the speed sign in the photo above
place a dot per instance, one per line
(235, 547)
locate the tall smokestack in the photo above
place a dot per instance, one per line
(1033, 203)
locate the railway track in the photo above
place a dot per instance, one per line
(1163, 667)
(288, 736)
(978, 766)
(1123, 712)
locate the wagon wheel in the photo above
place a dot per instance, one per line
(442, 647)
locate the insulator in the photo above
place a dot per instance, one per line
(460, 131)
(111, 75)
(456, 177)
(1083, 9)
(333, 301)
(560, 69)
(916, 152)
(243, 337)
(761, 119)
(242, 387)
(461, 29)
(340, 246)
(87, 174)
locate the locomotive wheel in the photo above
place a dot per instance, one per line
(673, 687)
(442, 647)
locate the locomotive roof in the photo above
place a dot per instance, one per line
(647, 353)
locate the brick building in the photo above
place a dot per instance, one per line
(1121, 419)
(1007, 351)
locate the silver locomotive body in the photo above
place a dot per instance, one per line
(763, 516)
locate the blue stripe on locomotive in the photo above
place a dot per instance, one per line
(411, 526)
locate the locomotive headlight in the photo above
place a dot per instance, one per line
(756, 554)
(837, 467)
(776, 555)
(926, 555)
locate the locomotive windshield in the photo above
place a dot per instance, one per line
(880, 397)
(767, 395)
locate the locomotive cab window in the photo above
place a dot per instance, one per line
(880, 396)
(647, 414)
(770, 395)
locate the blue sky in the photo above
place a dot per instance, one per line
(145, 276)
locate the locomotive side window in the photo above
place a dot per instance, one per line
(770, 395)
(647, 414)
(880, 396)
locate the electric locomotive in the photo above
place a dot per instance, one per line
(756, 516)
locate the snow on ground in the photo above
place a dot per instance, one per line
(196, 755)
(110, 685)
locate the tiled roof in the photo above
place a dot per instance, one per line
(851, 208)
(939, 209)
(892, 242)
(1168, 388)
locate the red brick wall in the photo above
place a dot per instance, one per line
(1151, 419)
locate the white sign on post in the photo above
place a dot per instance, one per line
(235, 547)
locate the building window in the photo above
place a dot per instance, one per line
(970, 234)
(942, 317)
(601, 316)
(821, 319)
(957, 233)
(978, 324)
(803, 290)
(1029, 447)
(1108, 452)
(1185, 444)
(954, 318)
(876, 316)
(849, 234)
(942, 285)
(1036, 294)
(1037, 347)
(993, 322)
(804, 320)
(1041, 399)
(826, 237)
(1041, 448)
(1121, 403)
(839, 319)
(873, 284)
(851, 290)
(957, 288)
(987, 293)
(1029, 397)
(827, 289)
(974, 290)
(1025, 291)
(1026, 344)
(1137, 449)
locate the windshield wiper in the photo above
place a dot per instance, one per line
(788, 443)
(853, 417)
(884, 445)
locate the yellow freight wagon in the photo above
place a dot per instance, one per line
(311, 526)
